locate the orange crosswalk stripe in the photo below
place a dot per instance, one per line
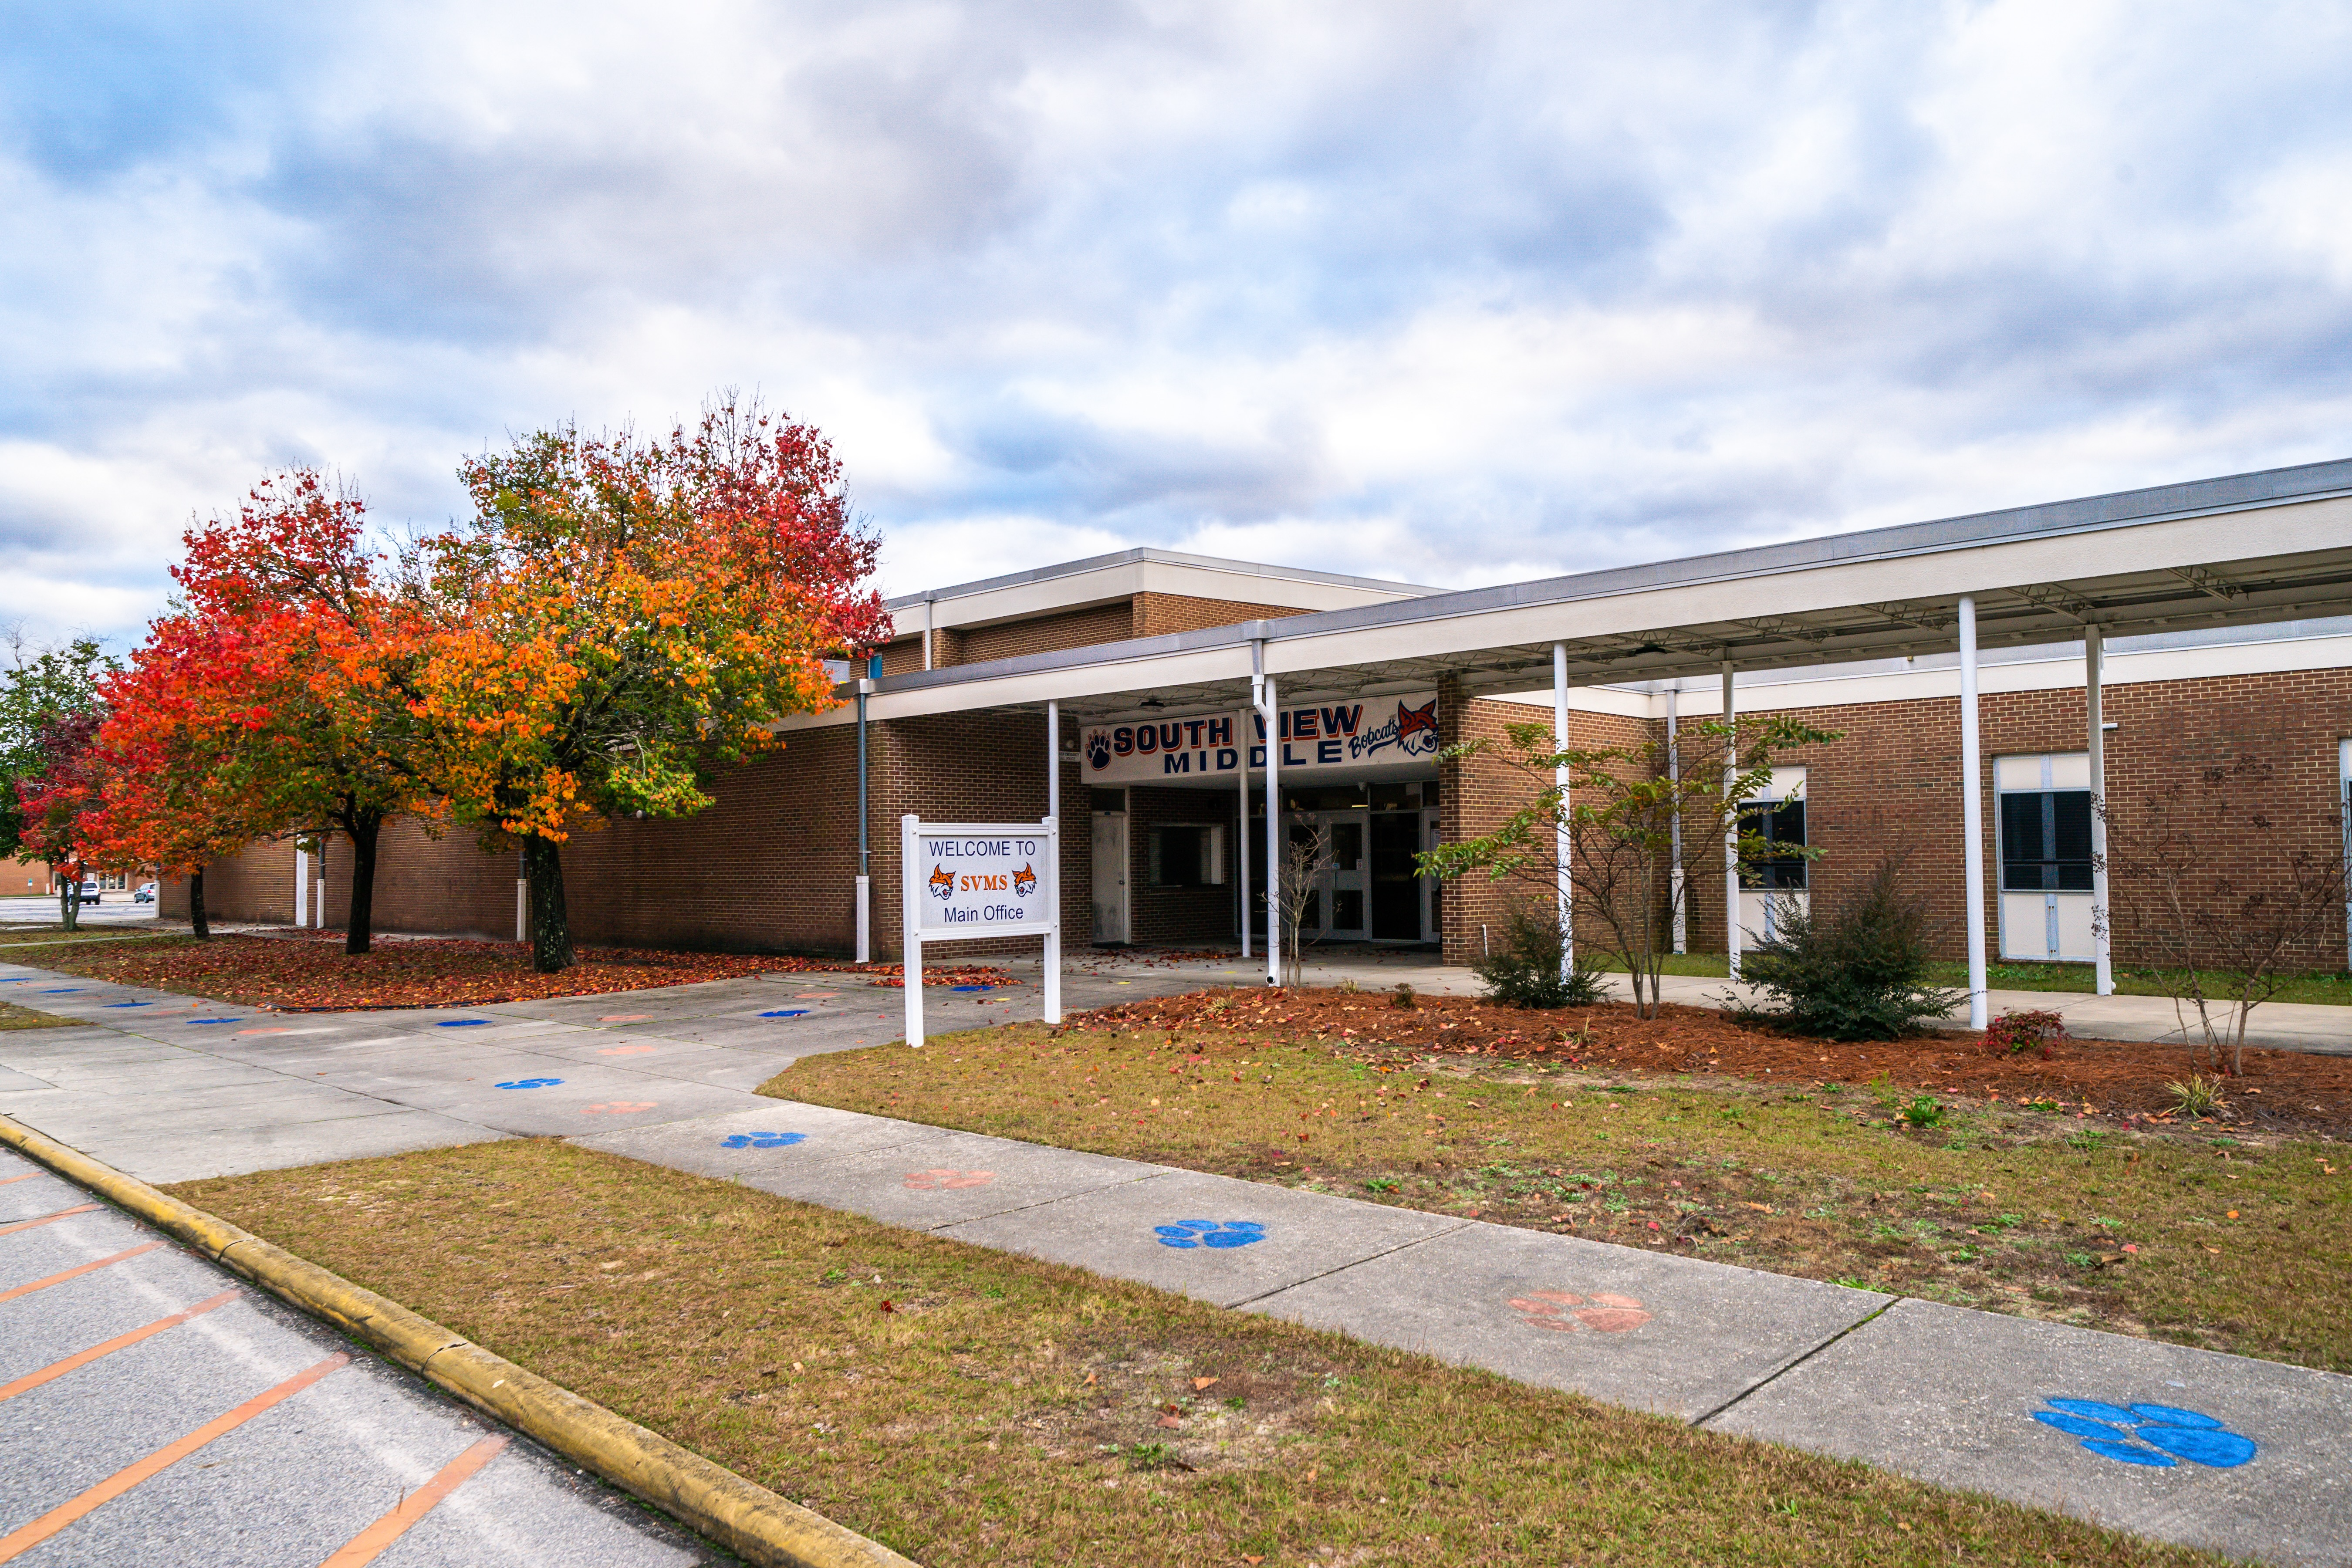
(45, 1219)
(5, 1181)
(16, 1542)
(368, 1544)
(56, 1370)
(76, 1273)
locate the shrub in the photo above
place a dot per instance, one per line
(2014, 1034)
(2199, 1096)
(1923, 1111)
(1856, 970)
(1402, 997)
(1525, 972)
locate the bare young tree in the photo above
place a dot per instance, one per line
(1304, 856)
(2223, 939)
(1622, 808)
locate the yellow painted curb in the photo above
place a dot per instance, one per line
(749, 1521)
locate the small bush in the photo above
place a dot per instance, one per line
(1525, 972)
(1923, 1111)
(2014, 1034)
(1403, 998)
(1855, 971)
(2199, 1096)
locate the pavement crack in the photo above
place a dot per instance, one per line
(1343, 1268)
(1790, 1365)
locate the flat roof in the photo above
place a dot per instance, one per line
(1141, 554)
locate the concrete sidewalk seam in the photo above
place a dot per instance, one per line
(747, 1518)
(1793, 1362)
(1046, 1202)
(1458, 1226)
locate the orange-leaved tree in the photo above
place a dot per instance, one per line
(285, 684)
(621, 618)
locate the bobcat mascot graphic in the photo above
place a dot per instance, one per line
(942, 882)
(1025, 881)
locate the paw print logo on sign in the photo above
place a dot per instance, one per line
(2155, 1436)
(1098, 750)
(1565, 1312)
(761, 1140)
(934, 1181)
(1218, 1233)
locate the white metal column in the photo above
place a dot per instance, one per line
(2094, 656)
(1674, 872)
(1730, 827)
(865, 889)
(1561, 836)
(1053, 954)
(301, 887)
(1972, 813)
(1241, 842)
(1262, 698)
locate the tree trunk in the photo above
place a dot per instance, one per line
(359, 926)
(550, 931)
(70, 905)
(196, 905)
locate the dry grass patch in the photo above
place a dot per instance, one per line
(998, 1410)
(15, 1017)
(2234, 1243)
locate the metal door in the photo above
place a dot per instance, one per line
(1111, 877)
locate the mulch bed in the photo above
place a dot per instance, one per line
(2282, 1090)
(308, 972)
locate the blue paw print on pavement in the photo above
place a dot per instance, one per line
(2155, 1436)
(215, 1020)
(787, 1013)
(130, 1003)
(1210, 1233)
(761, 1140)
(531, 1083)
(461, 1023)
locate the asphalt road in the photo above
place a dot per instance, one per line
(114, 909)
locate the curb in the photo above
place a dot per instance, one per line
(749, 1521)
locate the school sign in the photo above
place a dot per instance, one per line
(1308, 736)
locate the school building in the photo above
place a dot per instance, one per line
(1989, 676)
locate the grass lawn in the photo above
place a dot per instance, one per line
(15, 1017)
(56, 935)
(2237, 1242)
(969, 1407)
(2333, 989)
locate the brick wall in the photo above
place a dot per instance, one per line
(1893, 782)
(257, 885)
(1158, 614)
(1180, 917)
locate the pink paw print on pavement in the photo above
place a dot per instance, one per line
(618, 1107)
(1565, 1312)
(930, 1181)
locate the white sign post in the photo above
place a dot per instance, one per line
(964, 880)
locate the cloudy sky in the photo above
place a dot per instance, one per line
(1454, 293)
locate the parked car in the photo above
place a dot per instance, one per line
(145, 895)
(89, 893)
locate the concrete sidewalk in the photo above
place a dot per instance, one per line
(2178, 1445)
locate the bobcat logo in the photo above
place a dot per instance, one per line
(1025, 881)
(1413, 732)
(942, 882)
(1098, 750)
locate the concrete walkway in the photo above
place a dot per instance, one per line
(2175, 1444)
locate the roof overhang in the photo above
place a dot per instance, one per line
(2249, 548)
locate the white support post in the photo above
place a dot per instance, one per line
(1053, 954)
(1675, 888)
(2094, 656)
(865, 867)
(523, 908)
(1053, 901)
(1561, 836)
(926, 631)
(302, 888)
(910, 897)
(1267, 709)
(1241, 843)
(1731, 828)
(1972, 813)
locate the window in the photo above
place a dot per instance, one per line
(1782, 822)
(1186, 855)
(2045, 823)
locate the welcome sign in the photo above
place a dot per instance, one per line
(962, 880)
(1309, 736)
(986, 883)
